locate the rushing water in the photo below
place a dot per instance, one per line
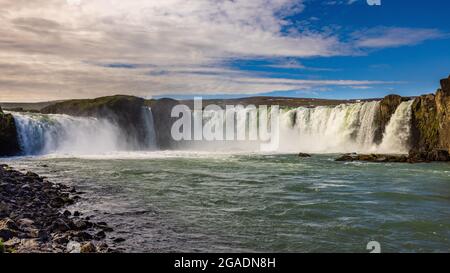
(344, 128)
(181, 201)
(338, 129)
(41, 134)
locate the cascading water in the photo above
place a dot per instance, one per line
(149, 125)
(343, 128)
(397, 134)
(325, 129)
(44, 134)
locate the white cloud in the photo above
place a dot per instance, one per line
(54, 49)
(383, 37)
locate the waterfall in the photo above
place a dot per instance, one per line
(344, 128)
(323, 129)
(149, 128)
(397, 134)
(44, 134)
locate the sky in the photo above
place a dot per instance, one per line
(336, 49)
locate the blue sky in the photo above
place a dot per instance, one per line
(413, 69)
(337, 49)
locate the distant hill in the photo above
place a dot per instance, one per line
(281, 101)
(32, 106)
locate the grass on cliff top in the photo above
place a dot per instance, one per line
(88, 104)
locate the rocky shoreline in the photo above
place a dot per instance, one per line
(34, 217)
(412, 157)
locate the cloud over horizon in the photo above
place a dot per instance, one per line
(57, 49)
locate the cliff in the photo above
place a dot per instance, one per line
(163, 121)
(125, 111)
(9, 144)
(431, 121)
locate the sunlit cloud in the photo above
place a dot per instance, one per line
(55, 49)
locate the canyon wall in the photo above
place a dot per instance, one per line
(431, 122)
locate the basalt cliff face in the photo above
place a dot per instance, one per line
(163, 121)
(9, 144)
(431, 121)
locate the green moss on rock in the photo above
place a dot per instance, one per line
(431, 120)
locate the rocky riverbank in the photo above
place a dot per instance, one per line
(34, 217)
(412, 157)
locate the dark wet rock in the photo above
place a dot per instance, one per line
(304, 155)
(83, 236)
(4, 209)
(103, 248)
(9, 142)
(82, 224)
(103, 226)
(32, 218)
(8, 229)
(61, 239)
(376, 158)
(8, 224)
(346, 157)
(100, 235)
(119, 240)
(412, 157)
(60, 225)
(57, 202)
(76, 213)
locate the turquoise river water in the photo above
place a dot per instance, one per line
(186, 201)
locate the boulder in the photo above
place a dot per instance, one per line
(304, 155)
(6, 234)
(376, 158)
